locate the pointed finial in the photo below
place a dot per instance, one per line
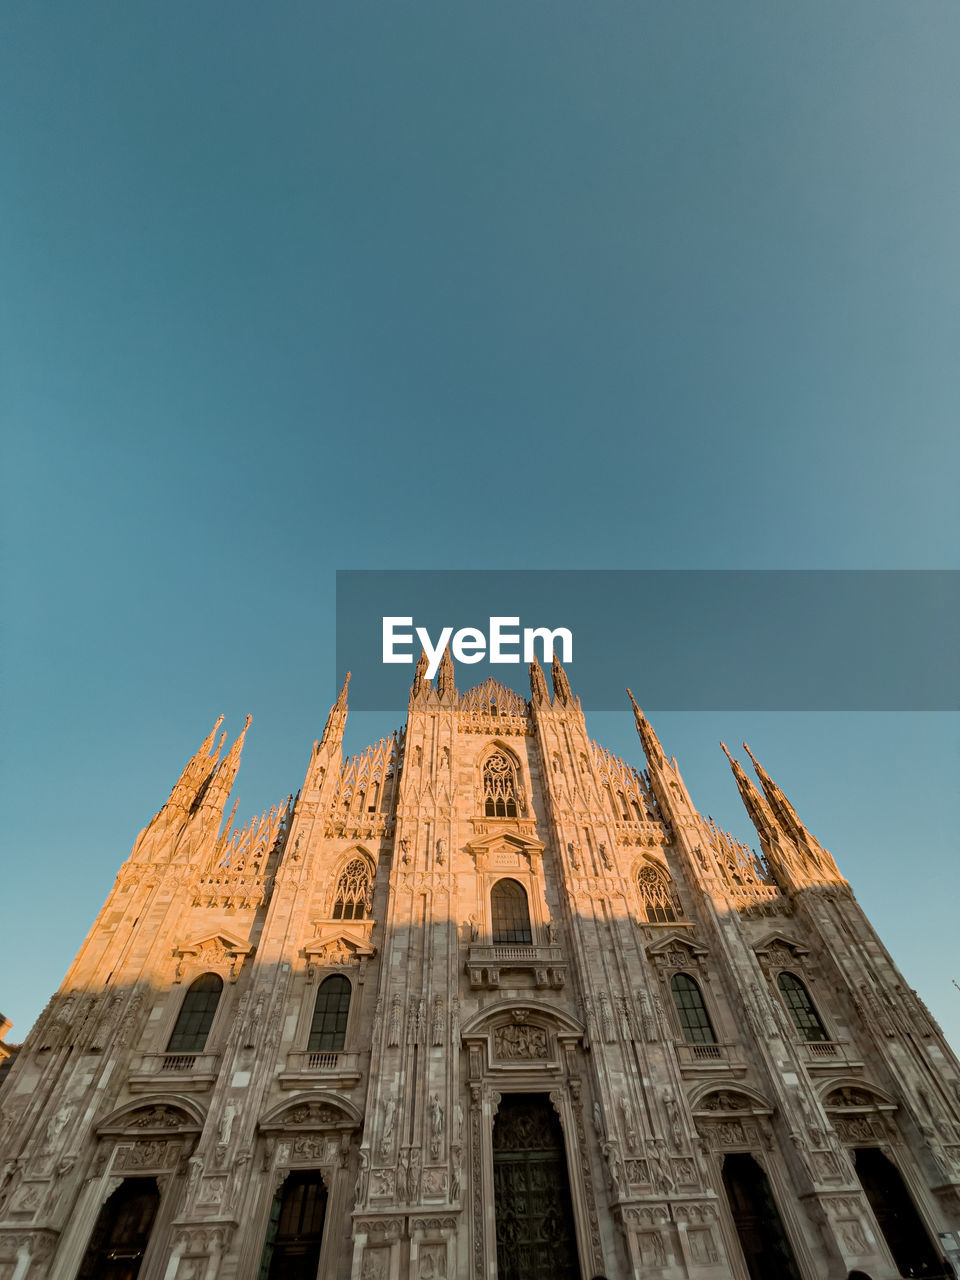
(561, 685)
(420, 681)
(207, 744)
(538, 682)
(337, 719)
(648, 739)
(788, 818)
(445, 676)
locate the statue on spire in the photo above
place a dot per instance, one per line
(337, 719)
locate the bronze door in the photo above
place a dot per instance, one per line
(295, 1233)
(536, 1239)
(766, 1249)
(122, 1232)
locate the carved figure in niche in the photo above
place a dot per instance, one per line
(598, 1120)
(396, 1017)
(572, 854)
(629, 1124)
(374, 1264)
(383, 1182)
(660, 1173)
(604, 858)
(455, 1174)
(606, 1025)
(58, 1122)
(455, 1022)
(551, 934)
(436, 1026)
(441, 851)
(474, 927)
(405, 851)
(413, 1176)
(673, 1117)
(436, 1116)
(363, 1175)
(389, 1115)
(445, 757)
(519, 1040)
(433, 1262)
(614, 1165)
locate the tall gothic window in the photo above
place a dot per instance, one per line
(694, 1019)
(196, 1015)
(328, 1029)
(351, 900)
(801, 1008)
(511, 916)
(657, 896)
(499, 787)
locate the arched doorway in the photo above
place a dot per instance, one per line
(122, 1232)
(896, 1215)
(766, 1248)
(536, 1239)
(291, 1250)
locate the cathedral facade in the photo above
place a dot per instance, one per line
(486, 1002)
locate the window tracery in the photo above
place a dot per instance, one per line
(499, 787)
(328, 1028)
(658, 897)
(353, 896)
(196, 1015)
(511, 913)
(692, 1011)
(801, 1008)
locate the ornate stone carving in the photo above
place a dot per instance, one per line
(519, 1040)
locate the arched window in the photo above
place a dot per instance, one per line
(351, 900)
(798, 1002)
(499, 787)
(511, 917)
(196, 1015)
(657, 896)
(329, 1026)
(694, 1019)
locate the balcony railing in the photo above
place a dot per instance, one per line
(330, 1066)
(830, 1054)
(695, 1058)
(485, 961)
(190, 1070)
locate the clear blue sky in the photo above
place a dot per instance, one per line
(309, 286)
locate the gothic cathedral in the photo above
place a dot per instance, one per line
(486, 1002)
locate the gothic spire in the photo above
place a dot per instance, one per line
(790, 822)
(420, 681)
(785, 813)
(221, 784)
(445, 676)
(538, 682)
(337, 719)
(196, 773)
(648, 739)
(756, 806)
(561, 685)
